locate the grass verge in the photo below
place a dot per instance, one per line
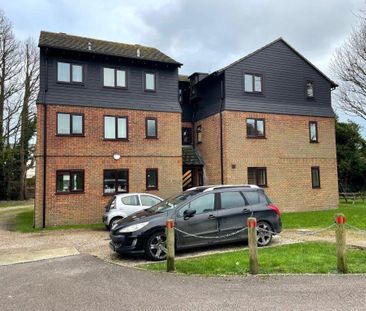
(4, 204)
(355, 215)
(24, 222)
(311, 257)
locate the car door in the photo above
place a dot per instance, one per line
(202, 224)
(130, 204)
(232, 215)
(257, 202)
(148, 200)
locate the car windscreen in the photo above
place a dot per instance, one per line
(172, 202)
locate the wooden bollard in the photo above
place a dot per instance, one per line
(170, 256)
(341, 243)
(252, 244)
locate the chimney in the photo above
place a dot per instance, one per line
(138, 52)
(89, 46)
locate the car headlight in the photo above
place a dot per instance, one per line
(133, 228)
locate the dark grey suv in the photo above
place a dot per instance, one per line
(202, 216)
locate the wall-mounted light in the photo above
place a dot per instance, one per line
(116, 156)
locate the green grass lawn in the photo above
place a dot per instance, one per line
(355, 215)
(4, 204)
(312, 257)
(24, 223)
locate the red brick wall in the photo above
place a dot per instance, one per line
(93, 154)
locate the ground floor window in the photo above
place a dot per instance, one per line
(69, 181)
(115, 181)
(315, 177)
(257, 176)
(152, 179)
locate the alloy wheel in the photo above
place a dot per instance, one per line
(264, 237)
(157, 246)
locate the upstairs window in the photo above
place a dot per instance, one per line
(69, 181)
(313, 131)
(315, 177)
(257, 176)
(310, 89)
(186, 136)
(151, 128)
(152, 179)
(255, 128)
(114, 78)
(150, 81)
(70, 124)
(69, 73)
(199, 134)
(253, 83)
(115, 127)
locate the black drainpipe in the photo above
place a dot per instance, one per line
(222, 93)
(45, 146)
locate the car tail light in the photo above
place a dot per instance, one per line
(275, 208)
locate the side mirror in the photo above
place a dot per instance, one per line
(188, 213)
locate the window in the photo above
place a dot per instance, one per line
(151, 128)
(114, 78)
(257, 176)
(147, 200)
(69, 73)
(315, 177)
(152, 179)
(70, 124)
(313, 131)
(203, 204)
(310, 89)
(231, 200)
(255, 128)
(131, 200)
(69, 181)
(199, 134)
(255, 197)
(115, 181)
(150, 81)
(253, 83)
(186, 136)
(115, 127)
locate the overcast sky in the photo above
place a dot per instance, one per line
(204, 35)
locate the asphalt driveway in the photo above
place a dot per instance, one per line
(83, 282)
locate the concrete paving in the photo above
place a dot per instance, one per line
(83, 282)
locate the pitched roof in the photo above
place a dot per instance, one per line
(183, 78)
(89, 45)
(270, 44)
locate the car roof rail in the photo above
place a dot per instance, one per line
(210, 188)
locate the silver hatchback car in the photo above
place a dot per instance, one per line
(124, 204)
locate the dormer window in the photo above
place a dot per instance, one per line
(150, 82)
(69, 73)
(310, 89)
(253, 83)
(114, 78)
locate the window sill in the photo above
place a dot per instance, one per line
(149, 91)
(70, 135)
(152, 189)
(70, 192)
(256, 137)
(80, 84)
(151, 137)
(116, 139)
(316, 187)
(113, 193)
(115, 87)
(254, 93)
(314, 142)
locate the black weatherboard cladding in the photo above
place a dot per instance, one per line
(92, 93)
(285, 74)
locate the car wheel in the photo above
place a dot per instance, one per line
(114, 221)
(155, 248)
(264, 237)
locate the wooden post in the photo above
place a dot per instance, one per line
(252, 244)
(341, 243)
(170, 256)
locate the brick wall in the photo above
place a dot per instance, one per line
(93, 154)
(288, 156)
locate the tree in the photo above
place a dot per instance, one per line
(27, 116)
(349, 65)
(351, 157)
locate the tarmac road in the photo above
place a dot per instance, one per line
(83, 282)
